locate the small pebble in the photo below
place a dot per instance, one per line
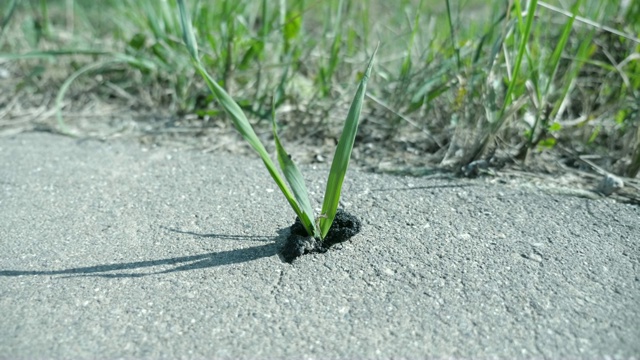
(610, 184)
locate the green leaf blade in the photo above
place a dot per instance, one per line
(188, 36)
(246, 130)
(296, 182)
(238, 117)
(343, 155)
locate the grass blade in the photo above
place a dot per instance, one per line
(246, 130)
(187, 33)
(343, 154)
(554, 60)
(239, 119)
(293, 176)
(526, 32)
(454, 45)
(8, 14)
(552, 69)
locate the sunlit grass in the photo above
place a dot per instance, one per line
(477, 78)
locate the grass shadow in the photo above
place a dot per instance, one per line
(181, 263)
(428, 187)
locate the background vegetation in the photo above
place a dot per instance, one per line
(486, 83)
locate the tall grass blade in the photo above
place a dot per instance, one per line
(453, 35)
(521, 52)
(187, 35)
(293, 175)
(343, 154)
(8, 14)
(552, 69)
(405, 69)
(46, 22)
(585, 50)
(526, 33)
(246, 130)
(292, 26)
(239, 119)
(554, 60)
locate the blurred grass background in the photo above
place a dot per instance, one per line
(456, 82)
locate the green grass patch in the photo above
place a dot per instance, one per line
(477, 79)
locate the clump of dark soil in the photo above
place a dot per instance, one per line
(299, 242)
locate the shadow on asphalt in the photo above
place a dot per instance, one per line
(223, 236)
(409, 188)
(183, 263)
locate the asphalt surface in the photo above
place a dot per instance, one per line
(110, 250)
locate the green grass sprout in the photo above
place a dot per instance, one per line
(297, 196)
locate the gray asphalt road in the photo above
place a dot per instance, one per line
(110, 250)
